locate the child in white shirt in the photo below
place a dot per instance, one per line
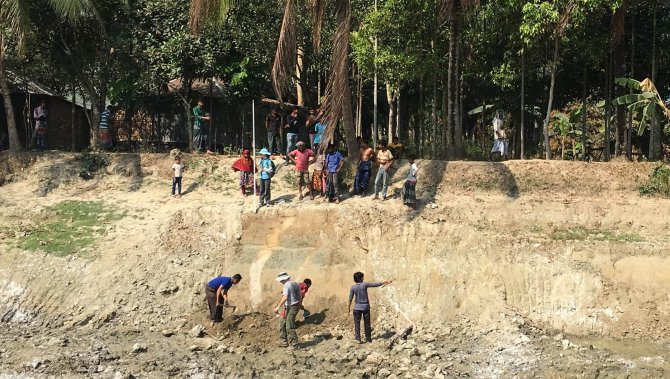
(177, 168)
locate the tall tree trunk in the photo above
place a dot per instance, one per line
(433, 141)
(398, 114)
(554, 67)
(450, 119)
(299, 69)
(523, 104)
(452, 82)
(584, 127)
(391, 119)
(73, 127)
(629, 133)
(348, 123)
(359, 113)
(12, 131)
(618, 30)
(608, 99)
(375, 102)
(458, 81)
(654, 126)
(418, 127)
(344, 25)
(447, 131)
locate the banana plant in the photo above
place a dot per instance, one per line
(566, 126)
(645, 104)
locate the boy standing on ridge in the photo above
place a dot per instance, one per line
(267, 169)
(359, 293)
(177, 168)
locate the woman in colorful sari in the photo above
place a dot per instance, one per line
(245, 165)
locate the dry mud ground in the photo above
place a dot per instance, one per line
(523, 269)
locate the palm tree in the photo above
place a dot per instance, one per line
(337, 100)
(337, 103)
(14, 21)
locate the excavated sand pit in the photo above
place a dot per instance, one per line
(523, 269)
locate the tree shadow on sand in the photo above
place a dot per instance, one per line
(495, 176)
(191, 187)
(314, 319)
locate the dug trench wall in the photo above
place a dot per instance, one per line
(478, 248)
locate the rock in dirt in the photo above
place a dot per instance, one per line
(197, 331)
(195, 348)
(139, 348)
(167, 333)
(374, 359)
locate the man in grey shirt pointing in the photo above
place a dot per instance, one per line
(359, 292)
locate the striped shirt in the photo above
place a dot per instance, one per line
(104, 119)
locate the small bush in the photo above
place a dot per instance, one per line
(90, 163)
(659, 182)
(474, 151)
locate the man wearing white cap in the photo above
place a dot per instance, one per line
(291, 301)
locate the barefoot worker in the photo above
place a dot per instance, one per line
(302, 157)
(216, 292)
(290, 301)
(359, 293)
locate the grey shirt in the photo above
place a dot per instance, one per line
(292, 293)
(360, 292)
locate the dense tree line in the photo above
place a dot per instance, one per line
(441, 67)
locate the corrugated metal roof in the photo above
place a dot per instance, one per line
(21, 84)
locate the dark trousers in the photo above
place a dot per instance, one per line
(366, 323)
(176, 185)
(291, 142)
(287, 325)
(265, 190)
(41, 141)
(200, 142)
(332, 192)
(215, 312)
(274, 142)
(362, 177)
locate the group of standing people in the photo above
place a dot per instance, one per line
(385, 159)
(291, 303)
(327, 163)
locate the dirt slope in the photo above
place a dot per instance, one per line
(496, 262)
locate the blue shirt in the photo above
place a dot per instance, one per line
(224, 281)
(265, 164)
(320, 128)
(333, 161)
